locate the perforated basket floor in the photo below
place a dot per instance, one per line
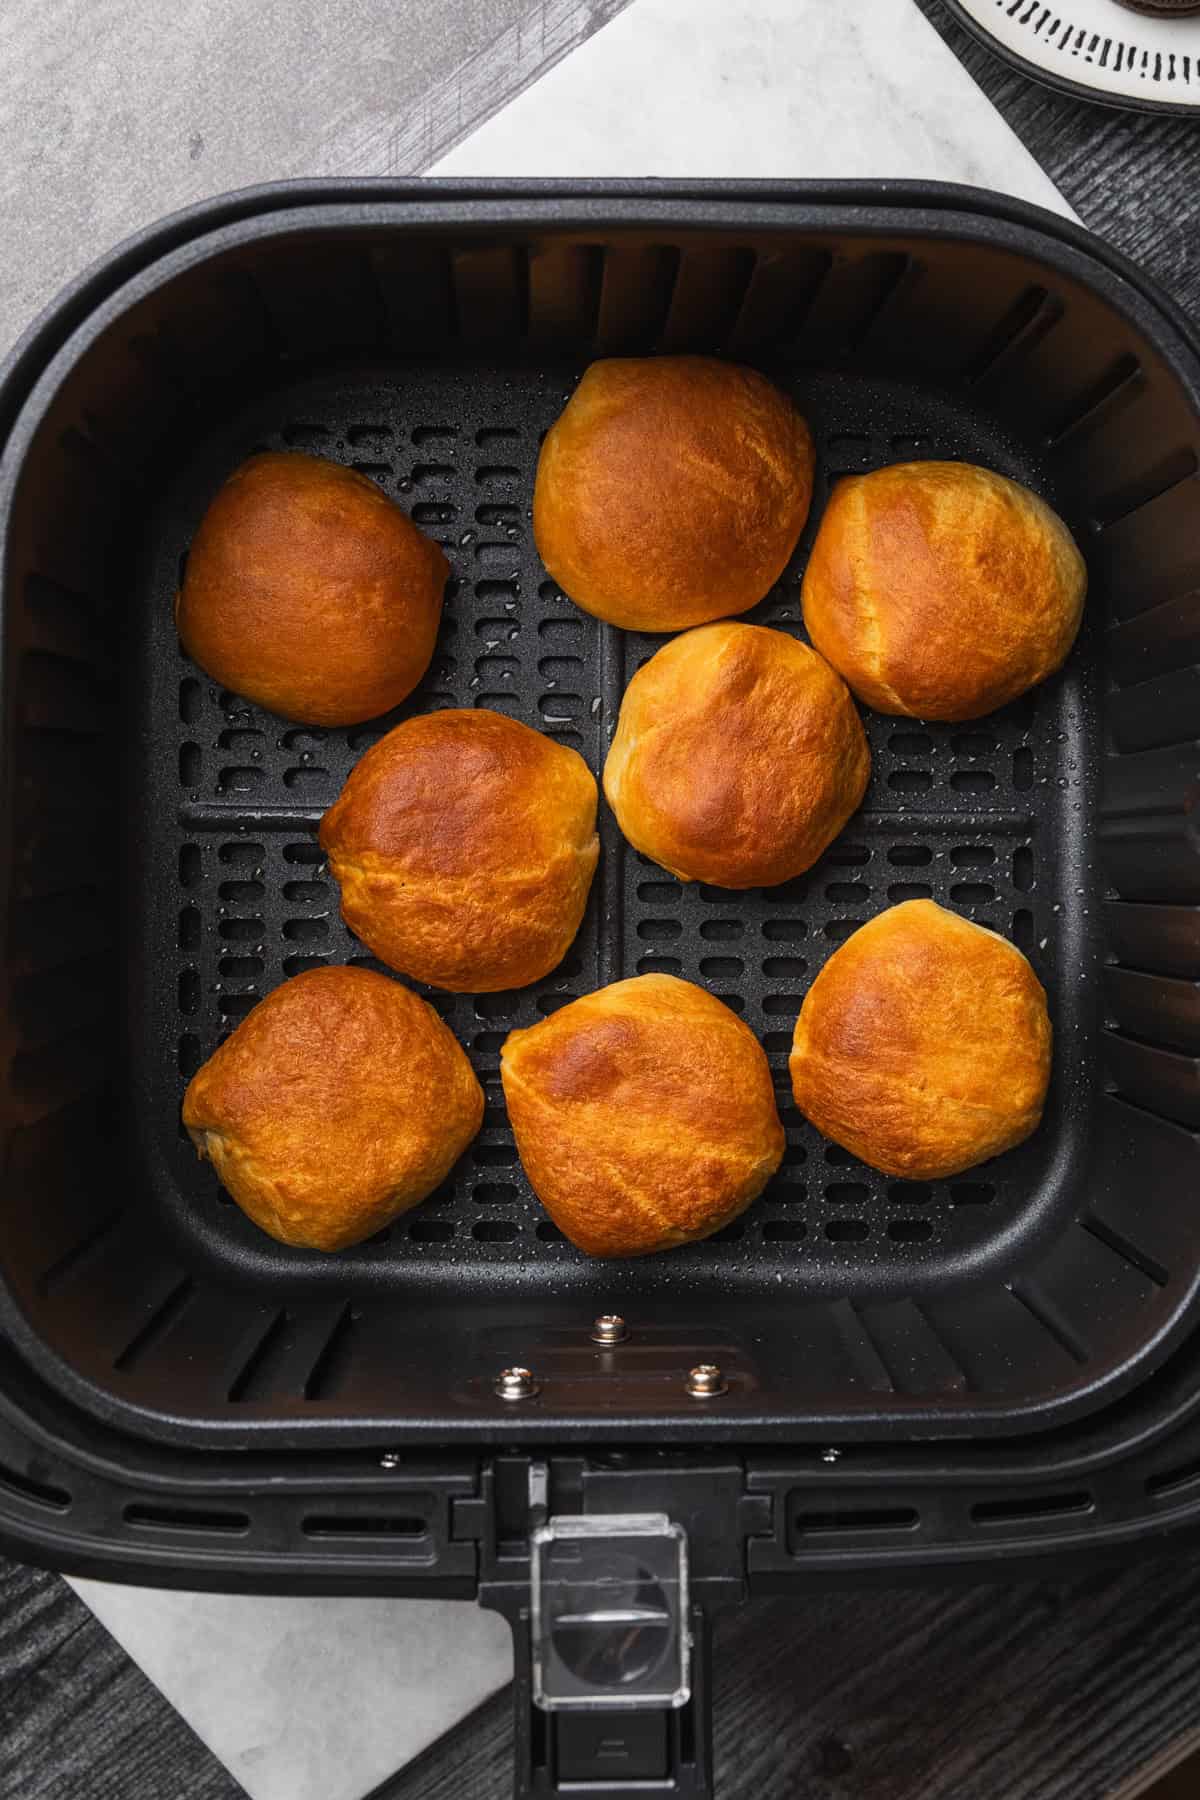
(983, 817)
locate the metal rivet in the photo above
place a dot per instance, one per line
(517, 1384)
(704, 1379)
(831, 1455)
(609, 1328)
(389, 1460)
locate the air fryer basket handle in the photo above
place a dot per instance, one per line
(610, 1573)
(607, 1755)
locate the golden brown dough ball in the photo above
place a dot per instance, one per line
(738, 756)
(924, 1044)
(644, 1115)
(464, 845)
(340, 1102)
(940, 590)
(310, 593)
(671, 490)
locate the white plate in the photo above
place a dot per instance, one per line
(1094, 49)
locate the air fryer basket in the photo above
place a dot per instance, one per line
(163, 874)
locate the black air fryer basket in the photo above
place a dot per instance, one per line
(1002, 1364)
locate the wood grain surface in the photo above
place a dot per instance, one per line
(78, 1720)
(1056, 1691)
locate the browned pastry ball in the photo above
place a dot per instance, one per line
(340, 1102)
(940, 590)
(671, 490)
(924, 1044)
(739, 755)
(644, 1115)
(464, 845)
(308, 591)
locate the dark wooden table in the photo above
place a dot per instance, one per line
(1061, 1691)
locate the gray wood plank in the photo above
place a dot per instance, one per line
(412, 140)
(78, 1720)
(115, 112)
(37, 1614)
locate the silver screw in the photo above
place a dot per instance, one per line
(517, 1384)
(831, 1455)
(389, 1460)
(705, 1379)
(609, 1328)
